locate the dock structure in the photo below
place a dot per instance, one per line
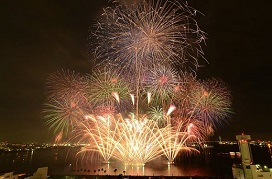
(248, 170)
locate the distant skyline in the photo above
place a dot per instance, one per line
(41, 37)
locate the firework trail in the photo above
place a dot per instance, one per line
(101, 133)
(139, 143)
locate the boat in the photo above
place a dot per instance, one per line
(248, 170)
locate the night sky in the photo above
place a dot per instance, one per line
(41, 37)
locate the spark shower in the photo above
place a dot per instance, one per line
(143, 99)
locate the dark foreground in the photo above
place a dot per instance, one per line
(129, 177)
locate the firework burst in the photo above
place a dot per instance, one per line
(66, 83)
(61, 115)
(161, 82)
(156, 113)
(141, 35)
(66, 101)
(211, 102)
(106, 88)
(135, 106)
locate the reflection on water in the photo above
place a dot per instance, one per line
(155, 167)
(62, 161)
